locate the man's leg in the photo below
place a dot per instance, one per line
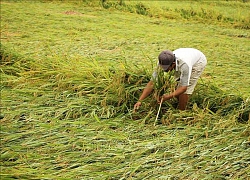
(196, 73)
(183, 100)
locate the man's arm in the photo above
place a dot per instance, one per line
(146, 92)
(180, 90)
(184, 78)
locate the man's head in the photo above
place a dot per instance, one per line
(166, 59)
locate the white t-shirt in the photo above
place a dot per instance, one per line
(185, 59)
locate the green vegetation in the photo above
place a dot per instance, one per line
(71, 72)
(234, 13)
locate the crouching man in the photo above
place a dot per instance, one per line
(188, 64)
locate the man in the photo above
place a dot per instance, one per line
(188, 64)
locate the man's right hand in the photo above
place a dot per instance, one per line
(137, 106)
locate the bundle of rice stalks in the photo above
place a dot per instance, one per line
(164, 82)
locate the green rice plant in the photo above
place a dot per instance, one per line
(208, 96)
(115, 90)
(13, 62)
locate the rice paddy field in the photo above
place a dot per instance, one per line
(71, 72)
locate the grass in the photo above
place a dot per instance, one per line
(71, 72)
(233, 14)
